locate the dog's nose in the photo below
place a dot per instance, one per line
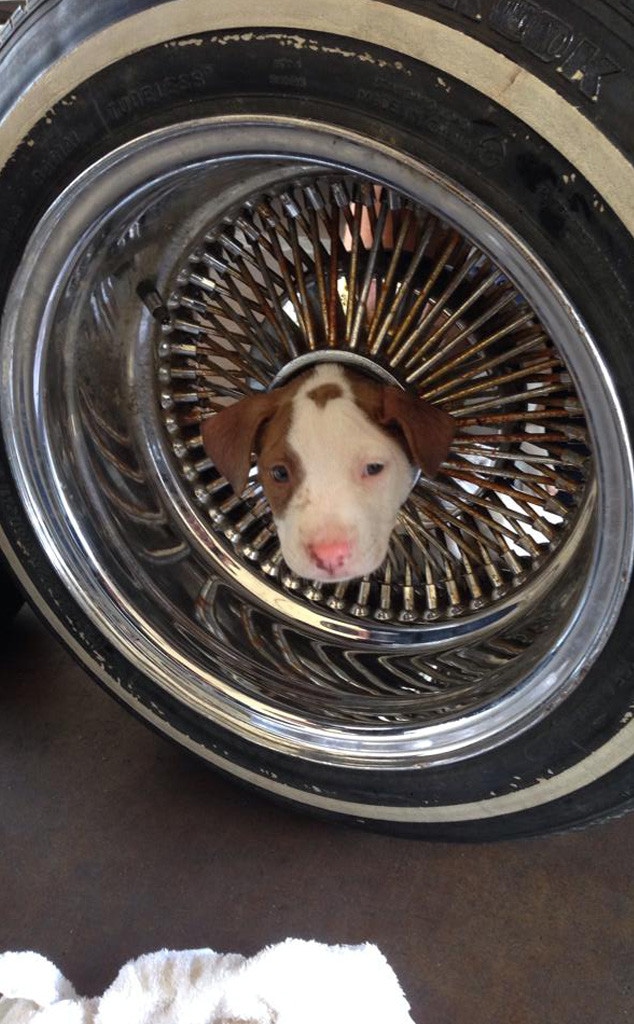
(330, 555)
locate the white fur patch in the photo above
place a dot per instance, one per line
(337, 500)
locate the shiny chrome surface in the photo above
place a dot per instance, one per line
(347, 269)
(253, 242)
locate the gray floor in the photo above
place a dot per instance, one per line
(115, 843)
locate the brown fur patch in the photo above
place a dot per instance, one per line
(367, 395)
(273, 449)
(424, 431)
(324, 393)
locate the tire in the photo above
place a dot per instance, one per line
(10, 598)
(194, 196)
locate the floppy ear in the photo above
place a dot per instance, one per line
(427, 429)
(229, 436)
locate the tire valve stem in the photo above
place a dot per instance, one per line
(154, 302)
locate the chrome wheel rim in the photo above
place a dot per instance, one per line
(439, 656)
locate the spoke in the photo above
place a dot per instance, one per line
(454, 526)
(484, 507)
(545, 478)
(531, 372)
(276, 315)
(433, 339)
(344, 262)
(477, 366)
(399, 348)
(333, 303)
(301, 283)
(390, 277)
(383, 339)
(470, 260)
(555, 457)
(521, 397)
(362, 303)
(536, 417)
(285, 271)
(320, 274)
(527, 498)
(353, 269)
(468, 334)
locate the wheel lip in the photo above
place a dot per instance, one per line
(298, 740)
(101, 36)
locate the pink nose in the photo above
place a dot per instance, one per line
(330, 554)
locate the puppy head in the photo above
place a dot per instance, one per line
(336, 454)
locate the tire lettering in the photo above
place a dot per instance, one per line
(55, 156)
(545, 36)
(587, 65)
(288, 71)
(295, 81)
(155, 92)
(423, 111)
(287, 65)
(539, 32)
(470, 8)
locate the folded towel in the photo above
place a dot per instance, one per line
(293, 982)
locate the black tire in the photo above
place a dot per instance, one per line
(10, 598)
(522, 116)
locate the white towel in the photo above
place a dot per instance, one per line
(294, 982)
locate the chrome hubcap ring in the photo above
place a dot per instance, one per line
(110, 473)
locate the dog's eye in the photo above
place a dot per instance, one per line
(374, 468)
(280, 474)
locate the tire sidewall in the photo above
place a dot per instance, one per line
(475, 142)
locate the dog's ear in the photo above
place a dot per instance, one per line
(428, 430)
(229, 436)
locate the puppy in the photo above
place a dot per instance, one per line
(336, 455)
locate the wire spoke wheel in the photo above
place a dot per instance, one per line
(342, 266)
(319, 264)
(198, 213)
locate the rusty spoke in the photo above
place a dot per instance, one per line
(341, 262)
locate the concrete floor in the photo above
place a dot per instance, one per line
(115, 843)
